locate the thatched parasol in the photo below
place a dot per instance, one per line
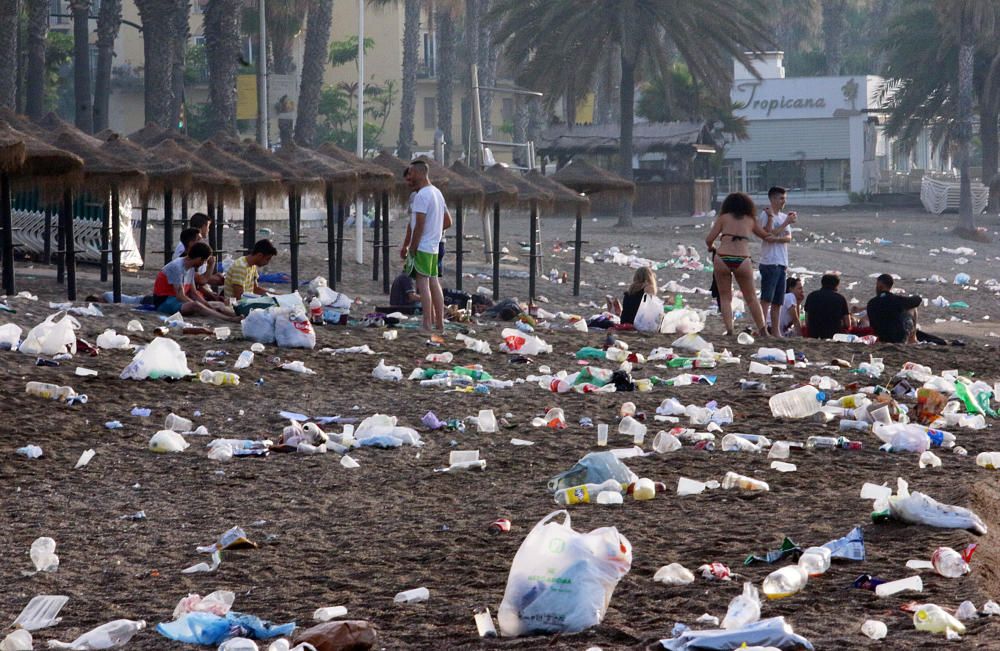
(149, 135)
(398, 166)
(562, 197)
(203, 175)
(336, 174)
(161, 171)
(249, 176)
(372, 178)
(587, 178)
(453, 186)
(526, 190)
(44, 164)
(101, 170)
(12, 150)
(494, 190)
(292, 176)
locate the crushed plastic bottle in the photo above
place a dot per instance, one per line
(586, 493)
(113, 635)
(43, 554)
(801, 402)
(935, 619)
(949, 563)
(219, 378)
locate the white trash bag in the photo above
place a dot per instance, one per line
(650, 313)
(292, 329)
(10, 336)
(561, 581)
(523, 343)
(259, 326)
(162, 358)
(51, 337)
(331, 298)
(918, 508)
(682, 322)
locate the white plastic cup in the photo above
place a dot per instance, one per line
(639, 436)
(222, 333)
(665, 442)
(744, 339)
(881, 415)
(463, 456)
(412, 596)
(779, 450)
(687, 486)
(602, 434)
(487, 421)
(331, 612)
(177, 423)
(759, 369)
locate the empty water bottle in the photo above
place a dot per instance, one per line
(935, 619)
(821, 442)
(244, 360)
(112, 635)
(815, 560)
(412, 596)
(586, 493)
(950, 563)
(801, 402)
(219, 378)
(785, 582)
(733, 480)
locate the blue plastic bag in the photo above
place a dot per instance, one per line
(209, 629)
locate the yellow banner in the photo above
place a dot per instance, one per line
(246, 97)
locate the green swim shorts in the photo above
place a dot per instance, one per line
(424, 264)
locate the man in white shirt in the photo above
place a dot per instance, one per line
(774, 256)
(429, 217)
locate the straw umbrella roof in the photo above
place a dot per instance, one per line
(526, 190)
(371, 177)
(585, 177)
(203, 175)
(398, 166)
(12, 150)
(101, 170)
(337, 174)
(291, 175)
(149, 135)
(494, 190)
(561, 195)
(45, 167)
(453, 186)
(161, 171)
(250, 176)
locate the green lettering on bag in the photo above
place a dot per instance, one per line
(557, 546)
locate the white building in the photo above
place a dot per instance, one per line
(817, 136)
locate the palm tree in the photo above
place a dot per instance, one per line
(8, 52)
(157, 30)
(469, 56)
(37, 34)
(222, 48)
(554, 37)
(81, 65)
(445, 39)
(284, 23)
(834, 22)
(182, 32)
(109, 19)
(313, 65)
(408, 92)
(488, 56)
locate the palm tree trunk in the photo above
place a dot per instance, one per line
(84, 119)
(222, 47)
(157, 30)
(487, 61)
(109, 19)
(834, 22)
(38, 30)
(313, 64)
(8, 52)
(445, 28)
(182, 31)
(627, 97)
(408, 95)
(988, 116)
(966, 220)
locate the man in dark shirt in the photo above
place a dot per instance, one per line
(826, 310)
(893, 317)
(403, 294)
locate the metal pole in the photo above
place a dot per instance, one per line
(116, 246)
(69, 246)
(576, 251)
(533, 245)
(376, 245)
(105, 223)
(341, 210)
(359, 224)
(385, 242)
(8, 235)
(168, 224)
(496, 251)
(331, 240)
(459, 248)
(477, 117)
(262, 136)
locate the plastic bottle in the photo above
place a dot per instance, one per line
(42, 389)
(316, 311)
(852, 401)
(112, 635)
(989, 460)
(733, 480)
(821, 442)
(644, 489)
(935, 619)
(328, 613)
(219, 378)
(785, 582)
(440, 358)
(856, 425)
(743, 609)
(586, 493)
(244, 360)
(947, 562)
(815, 560)
(801, 402)
(412, 596)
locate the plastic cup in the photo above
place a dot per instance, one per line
(744, 338)
(177, 423)
(910, 583)
(759, 369)
(222, 333)
(687, 486)
(639, 436)
(665, 442)
(487, 421)
(463, 456)
(779, 450)
(602, 434)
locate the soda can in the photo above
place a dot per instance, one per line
(500, 525)
(45, 362)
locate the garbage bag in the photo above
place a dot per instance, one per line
(10, 336)
(259, 326)
(683, 321)
(774, 631)
(356, 635)
(162, 358)
(594, 468)
(330, 298)
(208, 629)
(649, 314)
(51, 337)
(560, 580)
(917, 508)
(523, 343)
(292, 329)
(249, 304)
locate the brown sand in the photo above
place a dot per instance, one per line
(330, 536)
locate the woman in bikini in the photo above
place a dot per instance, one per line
(731, 258)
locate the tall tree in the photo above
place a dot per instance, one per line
(314, 61)
(84, 117)
(284, 23)
(37, 33)
(834, 22)
(549, 36)
(408, 92)
(487, 59)
(222, 48)
(9, 28)
(445, 42)
(181, 34)
(109, 19)
(158, 26)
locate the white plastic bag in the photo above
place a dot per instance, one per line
(649, 314)
(744, 609)
(259, 326)
(162, 358)
(561, 581)
(683, 322)
(111, 340)
(51, 337)
(330, 298)
(292, 329)
(10, 336)
(523, 343)
(692, 343)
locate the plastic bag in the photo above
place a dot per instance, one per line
(162, 358)
(917, 508)
(381, 430)
(10, 336)
(594, 468)
(259, 326)
(561, 581)
(773, 631)
(683, 321)
(208, 629)
(51, 337)
(292, 329)
(744, 609)
(649, 314)
(522, 343)
(112, 340)
(330, 298)
(390, 373)
(344, 634)
(692, 343)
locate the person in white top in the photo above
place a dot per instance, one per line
(429, 217)
(791, 310)
(774, 255)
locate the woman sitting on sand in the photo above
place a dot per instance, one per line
(731, 258)
(643, 282)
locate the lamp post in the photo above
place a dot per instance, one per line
(359, 241)
(262, 76)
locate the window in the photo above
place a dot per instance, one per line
(430, 113)
(830, 175)
(58, 11)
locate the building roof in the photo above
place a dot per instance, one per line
(603, 138)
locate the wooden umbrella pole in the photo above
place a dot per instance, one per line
(143, 225)
(459, 246)
(60, 244)
(220, 222)
(533, 248)
(69, 246)
(105, 223)
(376, 233)
(331, 241)
(210, 207)
(385, 242)
(47, 244)
(578, 245)
(341, 209)
(293, 237)
(8, 235)
(252, 227)
(116, 246)
(496, 251)
(247, 232)
(168, 224)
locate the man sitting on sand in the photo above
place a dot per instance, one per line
(173, 290)
(403, 296)
(893, 317)
(826, 310)
(243, 274)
